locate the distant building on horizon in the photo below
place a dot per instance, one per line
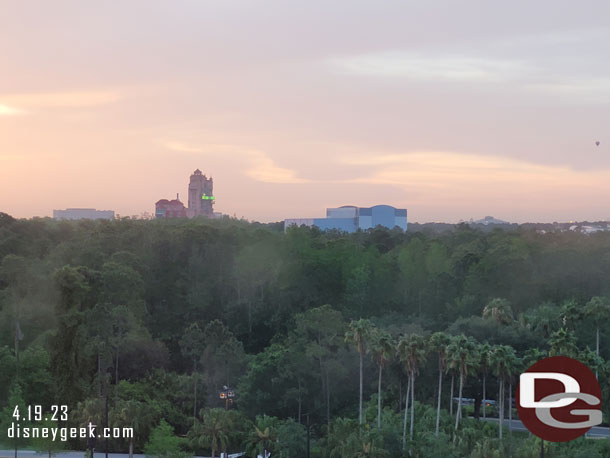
(488, 220)
(200, 200)
(83, 213)
(170, 208)
(349, 218)
(201, 195)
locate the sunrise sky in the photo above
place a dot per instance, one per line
(452, 109)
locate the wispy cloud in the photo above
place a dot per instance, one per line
(452, 174)
(35, 100)
(589, 89)
(257, 165)
(6, 110)
(544, 77)
(431, 68)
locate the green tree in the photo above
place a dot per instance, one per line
(499, 310)
(439, 341)
(463, 356)
(411, 262)
(68, 345)
(213, 431)
(533, 355)
(358, 334)
(598, 308)
(7, 419)
(263, 437)
(501, 360)
(135, 415)
(321, 329)
(571, 314)
(382, 349)
(8, 367)
(192, 345)
(291, 439)
(223, 358)
(483, 352)
(562, 342)
(412, 352)
(543, 319)
(163, 443)
(47, 444)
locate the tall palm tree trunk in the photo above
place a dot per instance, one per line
(597, 342)
(379, 398)
(500, 405)
(327, 400)
(360, 403)
(451, 397)
(412, 403)
(116, 375)
(438, 402)
(597, 347)
(510, 405)
(484, 394)
(99, 373)
(458, 415)
(195, 390)
(404, 424)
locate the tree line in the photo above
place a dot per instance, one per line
(350, 345)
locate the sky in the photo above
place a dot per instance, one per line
(453, 110)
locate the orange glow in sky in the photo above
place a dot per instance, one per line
(451, 109)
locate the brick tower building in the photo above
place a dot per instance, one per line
(201, 195)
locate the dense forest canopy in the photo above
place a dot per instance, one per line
(159, 316)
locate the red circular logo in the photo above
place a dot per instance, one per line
(559, 399)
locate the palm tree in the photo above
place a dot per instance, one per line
(533, 355)
(412, 351)
(499, 310)
(483, 351)
(451, 390)
(90, 411)
(192, 345)
(263, 438)
(136, 415)
(382, 348)
(598, 308)
(359, 332)
(500, 360)
(341, 433)
(462, 353)
(543, 319)
(212, 432)
(513, 367)
(562, 342)
(590, 359)
(571, 314)
(438, 343)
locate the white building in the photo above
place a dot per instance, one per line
(83, 213)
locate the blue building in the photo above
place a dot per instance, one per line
(349, 218)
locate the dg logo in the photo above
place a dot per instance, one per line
(559, 399)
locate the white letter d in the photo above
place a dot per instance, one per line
(527, 389)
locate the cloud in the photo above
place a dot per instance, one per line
(6, 110)
(183, 147)
(258, 165)
(591, 90)
(58, 99)
(451, 175)
(431, 68)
